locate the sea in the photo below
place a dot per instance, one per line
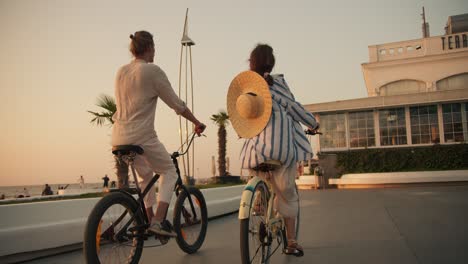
(36, 190)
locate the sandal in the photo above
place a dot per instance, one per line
(293, 248)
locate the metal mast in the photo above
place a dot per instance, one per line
(186, 94)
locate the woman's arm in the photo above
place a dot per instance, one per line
(295, 110)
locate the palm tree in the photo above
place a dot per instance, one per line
(107, 103)
(222, 120)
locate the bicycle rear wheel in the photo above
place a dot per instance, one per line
(190, 225)
(255, 243)
(111, 236)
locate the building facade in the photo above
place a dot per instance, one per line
(417, 96)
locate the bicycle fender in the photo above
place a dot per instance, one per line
(246, 198)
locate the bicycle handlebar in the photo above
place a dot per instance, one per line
(177, 154)
(312, 132)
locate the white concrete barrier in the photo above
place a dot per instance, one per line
(401, 177)
(36, 226)
(307, 182)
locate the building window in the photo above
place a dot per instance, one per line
(409, 48)
(383, 52)
(361, 129)
(424, 124)
(402, 87)
(392, 127)
(453, 126)
(453, 82)
(334, 131)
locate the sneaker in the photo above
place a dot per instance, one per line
(164, 229)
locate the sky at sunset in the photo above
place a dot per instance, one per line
(57, 57)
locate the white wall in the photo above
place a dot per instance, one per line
(43, 225)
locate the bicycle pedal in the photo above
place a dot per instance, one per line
(163, 239)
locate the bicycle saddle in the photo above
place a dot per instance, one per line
(269, 165)
(126, 149)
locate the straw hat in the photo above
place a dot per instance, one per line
(249, 104)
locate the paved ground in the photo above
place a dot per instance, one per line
(377, 226)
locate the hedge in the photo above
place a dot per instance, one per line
(436, 157)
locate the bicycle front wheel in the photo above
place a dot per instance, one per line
(255, 242)
(111, 235)
(190, 220)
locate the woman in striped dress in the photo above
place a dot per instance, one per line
(283, 139)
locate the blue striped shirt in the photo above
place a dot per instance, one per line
(283, 138)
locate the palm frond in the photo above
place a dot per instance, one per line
(221, 118)
(107, 103)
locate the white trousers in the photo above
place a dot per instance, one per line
(283, 180)
(156, 159)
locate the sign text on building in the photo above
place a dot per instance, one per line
(454, 42)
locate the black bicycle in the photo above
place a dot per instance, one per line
(117, 226)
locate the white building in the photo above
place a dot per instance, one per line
(417, 96)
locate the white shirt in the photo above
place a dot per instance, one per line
(138, 86)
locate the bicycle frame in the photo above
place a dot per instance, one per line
(179, 186)
(245, 206)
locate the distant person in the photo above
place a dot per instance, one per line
(81, 181)
(47, 190)
(112, 184)
(26, 192)
(2, 197)
(106, 181)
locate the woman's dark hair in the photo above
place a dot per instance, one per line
(141, 42)
(262, 61)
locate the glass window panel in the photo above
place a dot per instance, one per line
(415, 139)
(447, 108)
(394, 126)
(458, 137)
(362, 123)
(361, 126)
(449, 137)
(456, 117)
(401, 131)
(425, 139)
(423, 110)
(401, 122)
(457, 127)
(384, 141)
(334, 133)
(448, 128)
(447, 118)
(402, 140)
(425, 129)
(456, 107)
(424, 119)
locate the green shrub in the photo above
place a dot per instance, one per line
(436, 157)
